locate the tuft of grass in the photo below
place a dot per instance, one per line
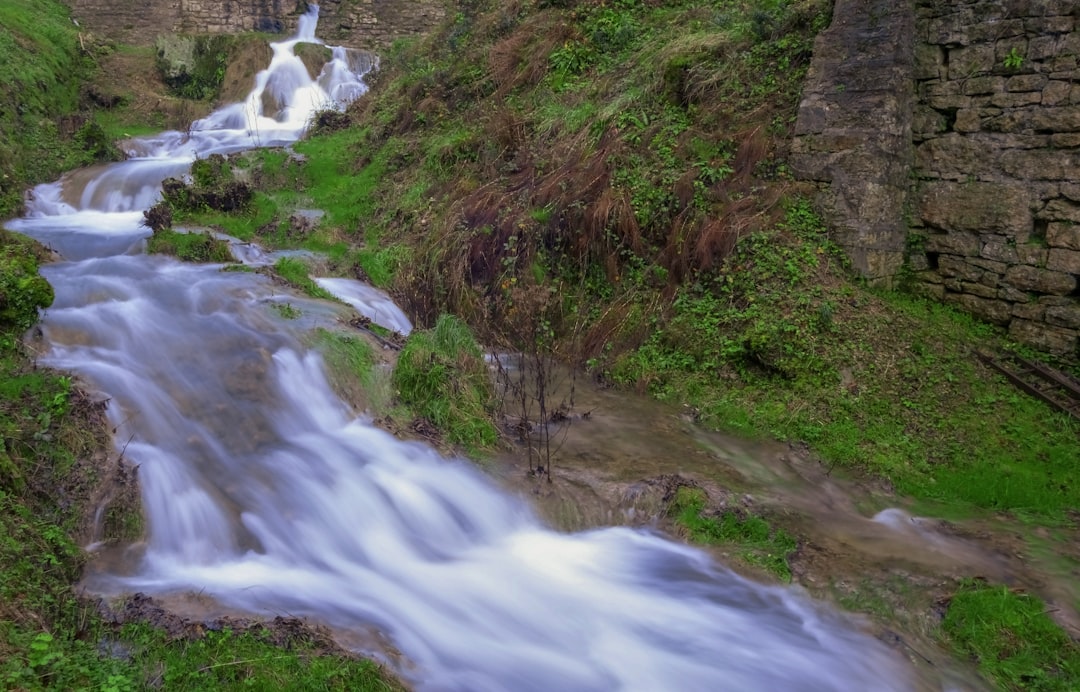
(295, 272)
(190, 247)
(441, 374)
(1011, 638)
(758, 543)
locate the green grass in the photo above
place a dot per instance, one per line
(757, 543)
(295, 272)
(40, 71)
(138, 657)
(190, 247)
(1011, 638)
(442, 376)
(878, 382)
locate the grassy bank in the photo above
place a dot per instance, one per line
(47, 117)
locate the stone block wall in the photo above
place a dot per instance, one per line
(369, 24)
(944, 136)
(994, 208)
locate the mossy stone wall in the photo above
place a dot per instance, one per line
(974, 189)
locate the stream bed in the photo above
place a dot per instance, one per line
(267, 493)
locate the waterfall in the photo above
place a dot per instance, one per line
(265, 491)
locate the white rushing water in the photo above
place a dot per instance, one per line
(265, 491)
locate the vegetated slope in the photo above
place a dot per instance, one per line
(606, 180)
(42, 132)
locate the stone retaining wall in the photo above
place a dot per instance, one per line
(366, 24)
(988, 202)
(995, 210)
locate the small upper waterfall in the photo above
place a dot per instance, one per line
(265, 491)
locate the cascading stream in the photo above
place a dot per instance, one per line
(264, 490)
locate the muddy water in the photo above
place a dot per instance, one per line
(265, 493)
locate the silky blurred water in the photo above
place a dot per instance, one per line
(265, 491)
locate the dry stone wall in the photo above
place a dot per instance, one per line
(995, 209)
(980, 176)
(370, 24)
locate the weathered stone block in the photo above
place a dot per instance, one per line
(1016, 100)
(1026, 82)
(1063, 260)
(1063, 234)
(999, 252)
(1013, 296)
(983, 290)
(1043, 47)
(965, 244)
(1029, 311)
(929, 61)
(978, 206)
(1049, 25)
(928, 122)
(1065, 140)
(1046, 337)
(931, 291)
(1027, 278)
(1060, 210)
(1056, 93)
(1060, 119)
(954, 267)
(1064, 316)
(1041, 164)
(989, 266)
(940, 87)
(979, 86)
(967, 120)
(1032, 255)
(996, 311)
(1009, 121)
(971, 60)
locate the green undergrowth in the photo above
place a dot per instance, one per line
(878, 382)
(756, 541)
(138, 657)
(1011, 638)
(45, 128)
(441, 374)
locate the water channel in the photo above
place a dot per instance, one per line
(266, 492)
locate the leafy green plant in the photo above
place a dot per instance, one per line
(1014, 60)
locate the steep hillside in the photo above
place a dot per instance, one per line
(43, 130)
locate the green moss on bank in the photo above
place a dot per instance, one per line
(1011, 638)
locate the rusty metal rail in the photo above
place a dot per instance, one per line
(1056, 388)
